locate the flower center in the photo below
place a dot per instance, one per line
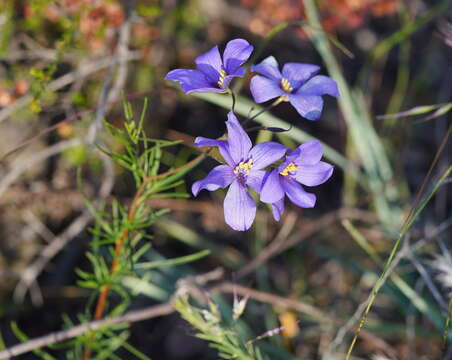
(243, 168)
(285, 85)
(289, 168)
(221, 79)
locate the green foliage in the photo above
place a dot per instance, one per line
(6, 29)
(436, 110)
(120, 236)
(41, 78)
(211, 328)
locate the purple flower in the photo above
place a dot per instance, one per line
(243, 168)
(301, 165)
(214, 73)
(297, 84)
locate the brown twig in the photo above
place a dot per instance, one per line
(56, 337)
(20, 168)
(282, 242)
(57, 84)
(167, 308)
(70, 119)
(57, 243)
(265, 297)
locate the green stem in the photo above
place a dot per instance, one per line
(265, 109)
(446, 327)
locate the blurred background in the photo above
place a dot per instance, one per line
(58, 57)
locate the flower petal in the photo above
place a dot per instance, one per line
(313, 175)
(266, 153)
(297, 194)
(236, 53)
(272, 190)
(278, 209)
(212, 75)
(308, 153)
(264, 89)
(268, 67)
(222, 145)
(211, 58)
(191, 81)
(320, 85)
(202, 141)
(254, 179)
(308, 106)
(239, 72)
(298, 73)
(238, 140)
(219, 177)
(239, 207)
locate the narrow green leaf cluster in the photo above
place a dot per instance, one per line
(211, 328)
(120, 237)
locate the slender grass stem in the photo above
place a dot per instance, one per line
(233, 100)
(265, 109)
(446, 327)
(381, 279)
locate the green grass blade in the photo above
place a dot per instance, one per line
(396, 246)
(409, 29)
(243, 107)
(172, 262)
(363, 135)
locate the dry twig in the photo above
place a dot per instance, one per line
(84, 70)
(31, 273)
(167, 308)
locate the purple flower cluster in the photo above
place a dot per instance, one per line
(245, 166)
(298, 83)
(243, 169)
(270, 169)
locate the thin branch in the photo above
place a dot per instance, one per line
(109, 94)
(272, 248)
(31, 161)
(265, 297)
(167, 308)
(282, 243)
(130, 317)
(69, 119)
(37, 226)
(31, 273)
(59, 336)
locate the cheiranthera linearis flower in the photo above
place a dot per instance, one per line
(301, 166)
(214, 73)
(244, 168)
(297, 83)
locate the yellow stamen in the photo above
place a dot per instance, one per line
(290, 167)
(286, 86)
(222, 76)
(245, 166)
